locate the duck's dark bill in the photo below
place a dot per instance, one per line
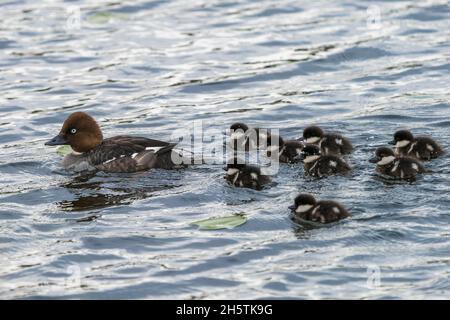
(373, 160)
(57, 141)
(392, 143)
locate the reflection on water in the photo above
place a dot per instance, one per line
(92, 192)
(149, 68)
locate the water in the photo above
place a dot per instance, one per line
(152, 67)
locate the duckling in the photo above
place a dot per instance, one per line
(307, 208)
(318, 165)
(245, 138)
(396, 167)
(289, 151)
(244, 175)
(329, 143)
(421, 148)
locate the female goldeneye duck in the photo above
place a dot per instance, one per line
(307, 208)
(244, 175)
(329, 143)
(245, 138)
(422, 148)
(318, 165)
(116, 154)
(396, 167)
(287, 151)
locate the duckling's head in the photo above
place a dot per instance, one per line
(238, 130)
(310, 153)
(312, 134)
(402, 138)
(274, 144)
(383, 156)
(303, 203)
(80, 131)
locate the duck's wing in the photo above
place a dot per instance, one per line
(129, 154)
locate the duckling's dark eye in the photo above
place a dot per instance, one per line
(73, 131)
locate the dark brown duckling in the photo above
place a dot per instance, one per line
(288, 151)
(307, 208)
(329, 143)
(243, 175)
(244, 138)
(397, 167)
(318, 165)
(422, 148)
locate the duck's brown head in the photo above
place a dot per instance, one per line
(80, 131)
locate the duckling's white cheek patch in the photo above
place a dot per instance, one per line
(303, 208)
(402, 144)
(237, 135)
(386, 160)
(310, 159)
(273, 149)
(232, 171)
(312, 140)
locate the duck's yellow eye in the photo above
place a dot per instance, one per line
(73, 131)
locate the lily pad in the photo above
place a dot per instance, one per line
(105, 17)
(64, 150)
(221, 222)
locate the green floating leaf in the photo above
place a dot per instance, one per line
(105, 17)
(221, 222)
(64, 150)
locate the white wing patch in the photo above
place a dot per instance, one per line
(430, 147)
(395, 166)
(339, 142)
(298, 151)
(333, 164)
(111, 160)
(336, 210)
(154, 149)
(254, 176)
(134, 155)
(415, 166)
(412, 147)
